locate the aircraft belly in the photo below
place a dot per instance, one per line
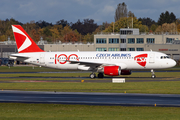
(67, 66)
(63, 66)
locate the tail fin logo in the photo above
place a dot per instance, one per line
(25, 40)
(141, 59)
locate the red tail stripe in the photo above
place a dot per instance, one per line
(20, 39)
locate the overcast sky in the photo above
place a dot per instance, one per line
(71, 10)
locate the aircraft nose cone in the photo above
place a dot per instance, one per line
(173, 63)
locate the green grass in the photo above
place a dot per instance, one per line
(45, 75)
(19, 111)
(26, 69)
(169, 87)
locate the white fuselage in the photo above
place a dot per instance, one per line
(89, 60)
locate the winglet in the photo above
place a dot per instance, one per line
(23, 41)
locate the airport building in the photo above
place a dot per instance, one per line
(133, 40)
(128, 39)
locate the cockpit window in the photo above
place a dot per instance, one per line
(165, 57)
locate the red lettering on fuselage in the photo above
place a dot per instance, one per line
(67, 58)
(59, 58)
(55, 58)
(73, 55)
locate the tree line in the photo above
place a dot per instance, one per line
(83, 31)
(167, 22)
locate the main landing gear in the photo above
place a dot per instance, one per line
(93, 75)
(153, 74)
(100, 75)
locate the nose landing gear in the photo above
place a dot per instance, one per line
(153, 74)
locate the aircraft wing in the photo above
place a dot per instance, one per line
(98, 64)
(91, 64)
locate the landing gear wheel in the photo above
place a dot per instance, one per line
(92, 75)
(153, 76)
(100, 75)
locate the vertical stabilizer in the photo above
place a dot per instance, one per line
(24, 42)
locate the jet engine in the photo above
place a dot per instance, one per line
(112, 70)
(115, 71)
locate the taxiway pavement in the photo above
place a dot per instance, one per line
(123, 99)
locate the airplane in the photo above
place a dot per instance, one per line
(112, 63)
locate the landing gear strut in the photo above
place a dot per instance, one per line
(153, 74)
(92, 75)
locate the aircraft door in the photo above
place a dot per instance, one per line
(151, 58)
(42, 59)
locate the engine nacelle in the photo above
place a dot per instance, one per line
(112, 70)
(125, 72)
